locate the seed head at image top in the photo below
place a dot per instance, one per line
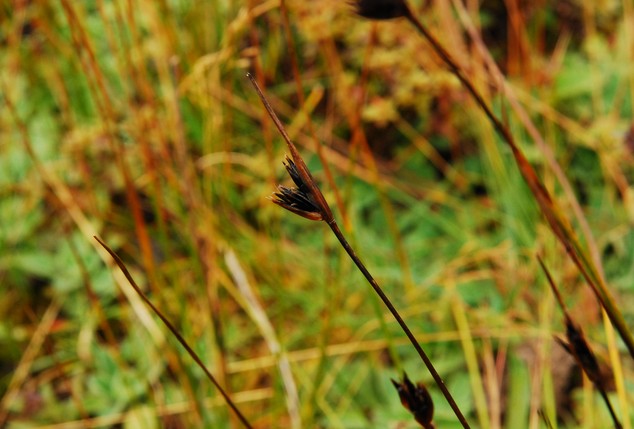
(381, 9)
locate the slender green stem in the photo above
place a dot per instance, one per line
(439, 381)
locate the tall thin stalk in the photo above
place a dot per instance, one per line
(177, 335)
(306, 200)
(558, 222)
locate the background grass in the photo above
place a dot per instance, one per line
(134, 121)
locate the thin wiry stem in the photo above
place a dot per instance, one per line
(176, 334)
(430, 366)
(615, 418)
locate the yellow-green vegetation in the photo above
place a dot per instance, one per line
(134, 121)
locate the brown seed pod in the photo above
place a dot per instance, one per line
(416, 399)
(298, 200)
(381, 9)
(578, 347)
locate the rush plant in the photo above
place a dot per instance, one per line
(559, 223)
(306, 200)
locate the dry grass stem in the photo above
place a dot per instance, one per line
(177, 335)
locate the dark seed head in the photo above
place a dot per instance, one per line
(306, 200)
(297, 178)
(381, 9)
(299, 200)
(416, 399)
(580, 349)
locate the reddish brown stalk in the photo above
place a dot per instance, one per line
(94, 75)
(559, 224)
(307, 201)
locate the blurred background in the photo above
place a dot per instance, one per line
(134, 121)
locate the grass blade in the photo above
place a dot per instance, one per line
(176, 334)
